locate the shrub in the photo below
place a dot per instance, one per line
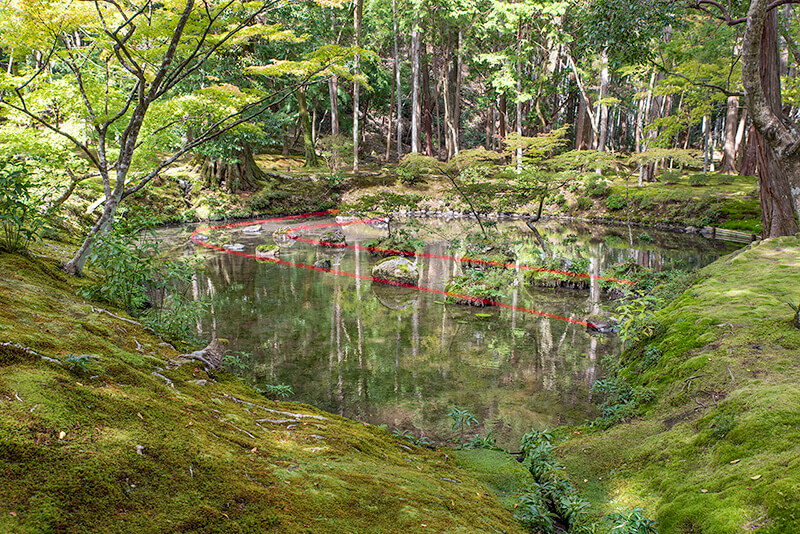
(670, 177)
(584, 203)
(20, 221)
(699, 179)
(616, 202)
(413, 168)
(596, 186)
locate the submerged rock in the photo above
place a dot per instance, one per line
(324, 263)
(234, 247)
(397, 269)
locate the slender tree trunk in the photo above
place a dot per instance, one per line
(305, 121)
(356, 85)
(415, 91)
(728, 165)
(519, 95)
(605, 80)
(427, 117)
(502, 114)
(399, 92)
(391, 110)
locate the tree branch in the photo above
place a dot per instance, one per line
(698, 84)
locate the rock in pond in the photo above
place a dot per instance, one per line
(324, 263)
(268, 251)
(396, 269)
(255, 229)
(234, 247)
(333, 238)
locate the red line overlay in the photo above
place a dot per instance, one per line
(291, 235)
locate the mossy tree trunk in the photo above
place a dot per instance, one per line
(241, 176)
(305, 121)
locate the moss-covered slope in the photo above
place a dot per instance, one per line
(123, 440)
(720, 450)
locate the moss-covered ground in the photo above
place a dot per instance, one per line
(112, 433)
(719, 451)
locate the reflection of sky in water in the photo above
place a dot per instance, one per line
(403, 357)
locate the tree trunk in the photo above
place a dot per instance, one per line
(728, 165)
(305, 121)
(389, 129)
(397, 83)
(333, 92)
(241, 176)
(356, 84)
(427, 116)
(415, 91)
(778, 145)
(605, 80)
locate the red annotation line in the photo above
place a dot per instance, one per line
(291, 231)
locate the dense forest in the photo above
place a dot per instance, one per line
(123, 90)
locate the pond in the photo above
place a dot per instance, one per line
(404, 357)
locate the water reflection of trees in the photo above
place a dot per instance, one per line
(332, 340)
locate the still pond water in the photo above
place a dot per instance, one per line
(403, 357)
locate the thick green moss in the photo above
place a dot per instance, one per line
(718, 453)
(110, 446)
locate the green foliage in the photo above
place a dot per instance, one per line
(77, 364)
(282, 391)
(533, 511)
(421, 441)
(20, 220)
(482, 442)
(635, 317)
(670, 177)
(336, 150)
(584, 203)
(596, 186)
(462, 421)
(400, 239)
(725, 179)
(413, 168)
(130, 274)
(488, 284)
(699, 179)
(616, 202)
(633, 523)
(621, 400)
(721, 425)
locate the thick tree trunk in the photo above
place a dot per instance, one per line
(241, 176)
(305, 121)
(778, 144)
(728, 165)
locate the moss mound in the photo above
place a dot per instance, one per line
(718, 451)
(111, 434)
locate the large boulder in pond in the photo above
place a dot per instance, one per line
(334, 238)
(396, 269)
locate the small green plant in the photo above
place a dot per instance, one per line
(635, 319)
(721, 425)
(77, 364)
(276, 390)
(462, 421)
(796, 309)
(621, 400)
(725, 179)
(670, 177)
(616, 202)
(484, 286)
(482, 442)
(20, 221)
(633, 523)
(236, 361)
(651, 357)
(647, 238)
(532, 510)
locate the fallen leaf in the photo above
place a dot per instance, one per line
(13, 514)
(735, 461)
(703, 491)
(62, 435)
(755, 477)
